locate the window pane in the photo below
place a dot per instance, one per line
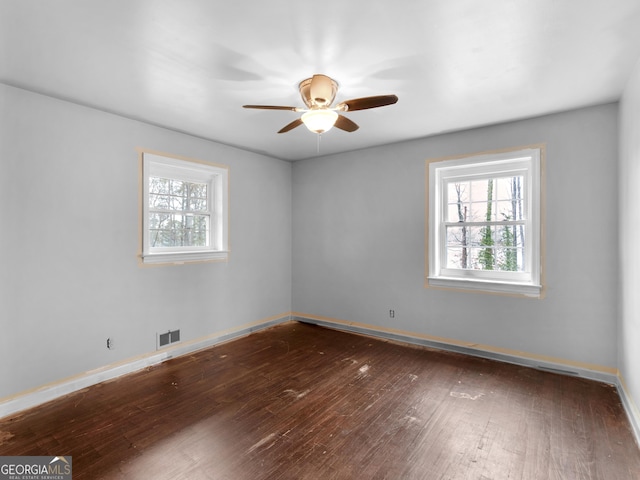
(458, 191)
(457, 236)
(180, 229)
(478, 190)
(510, 252)
(158, 201)
(458, 201)
(464, 236)
(486, 248)
(496, 258)
(159, 229)
(158, 185)
(176, 230)
(510, 236)
(503, 188)
(177, 187)
(489, 199)
(509, 210)
(457, 212)
(458, 258)
(509, 259)
(458, 241)
(177, 195)
(177, 203)
(198, 196)
(481, 258)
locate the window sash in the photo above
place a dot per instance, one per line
(206, 213)
(501, 253)
(187, 234)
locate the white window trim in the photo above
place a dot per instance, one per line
(217, 176)
(527, 160)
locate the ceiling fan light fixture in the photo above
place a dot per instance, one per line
(320, 120)
(318, 93)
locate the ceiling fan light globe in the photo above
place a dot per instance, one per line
(319, 121)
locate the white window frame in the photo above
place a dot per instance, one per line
(524, 161)
(196, 171)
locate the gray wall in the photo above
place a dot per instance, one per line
(629, 327)
(69, 226)
(69, 237)
(358, 241)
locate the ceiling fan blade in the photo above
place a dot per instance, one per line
(343, 123)
(296, 123)
(271, 107)
(367, 102)
(321, 90)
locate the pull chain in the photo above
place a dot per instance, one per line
(318, 144)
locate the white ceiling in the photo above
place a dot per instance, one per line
(189, 65)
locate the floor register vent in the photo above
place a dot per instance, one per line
(168, 338)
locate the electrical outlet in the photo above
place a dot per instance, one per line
(110, 344)
(392, 314)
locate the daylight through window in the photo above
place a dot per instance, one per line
(179, 214)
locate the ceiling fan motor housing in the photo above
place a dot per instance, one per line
(318, 91)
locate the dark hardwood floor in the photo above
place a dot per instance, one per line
(298, 401)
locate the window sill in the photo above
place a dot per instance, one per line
(509, 288)
(178, 258)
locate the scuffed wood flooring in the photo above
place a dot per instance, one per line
(299, 401)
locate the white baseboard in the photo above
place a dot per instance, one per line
(46, 393)
(630, 407)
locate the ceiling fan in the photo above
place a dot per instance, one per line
(318, 93)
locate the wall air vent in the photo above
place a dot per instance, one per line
(168, 338)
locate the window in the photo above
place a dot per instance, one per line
(484, 222)
(184, 210)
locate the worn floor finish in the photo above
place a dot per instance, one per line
(303, 402)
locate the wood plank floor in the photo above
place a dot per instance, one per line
(298, 401)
